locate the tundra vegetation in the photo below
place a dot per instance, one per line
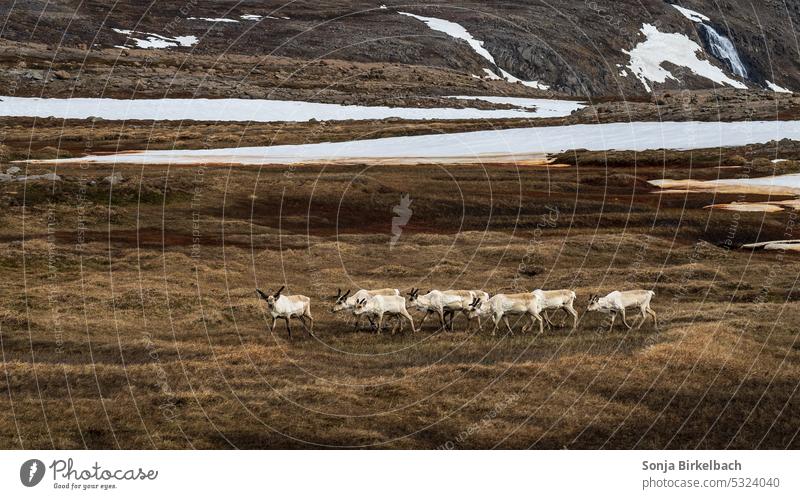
(129, 319)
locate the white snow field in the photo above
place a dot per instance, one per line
(647, 57)
(457, 31)
(485, 146)
(265, 110)
(545, 108)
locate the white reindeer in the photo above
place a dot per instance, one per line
(381, 306)
(347, 301)
(433, 302)
(559, 299)
(501, 306)
(287, 306)
(617, 301)
(451, 308)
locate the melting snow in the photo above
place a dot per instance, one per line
(156, 41)
(545, 108)
(691, 14)
(459, 32)
(648, 56)
(785, 244)
(777, 88)
(214, 19)
(263, 110)
(485, 146)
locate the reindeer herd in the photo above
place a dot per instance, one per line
(378, 304)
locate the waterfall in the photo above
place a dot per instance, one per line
(722, 48)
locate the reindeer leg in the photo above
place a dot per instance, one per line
(310, 328)
(623, 319)
(496, 321)
(272, 327)
(441, 320)
(510, 331)
(574, 314)
(541, 323)
(655, 320)
(613, 317)
(380, 322)
(427, 312)
(288, 328)
(549, 323)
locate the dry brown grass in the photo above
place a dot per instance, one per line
(138, 339)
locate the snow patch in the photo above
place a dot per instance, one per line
(543, 108)
(510, 145)
(691, 14)
(785, 244)
(457, 31)
(251, 17)
(777, 88)
(260, 110)
(154, 40)
(490, 74)
(213, 19)
(647, 57)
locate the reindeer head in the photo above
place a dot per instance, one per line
(474, 308)
(341, 301)
(413, 295)
(594, 304)
(270, 299)
(361, 306)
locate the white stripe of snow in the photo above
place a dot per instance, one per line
(459, 32)
(214, 19)
(257, 110)
(512, 144)
(658, 48)
(777, 88)
(546, 108)
(691, 14)
(156, 41)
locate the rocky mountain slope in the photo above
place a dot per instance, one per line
(576, 47)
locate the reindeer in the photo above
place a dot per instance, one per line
(560, 299)
(461, 305)
(500, 306)
(287, 306)
(617, 301)
(381, 305)
(433, 301)
(347, 301)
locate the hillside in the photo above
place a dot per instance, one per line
(601, 48)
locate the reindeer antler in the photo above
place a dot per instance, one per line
(261, 293)
(278, 293)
